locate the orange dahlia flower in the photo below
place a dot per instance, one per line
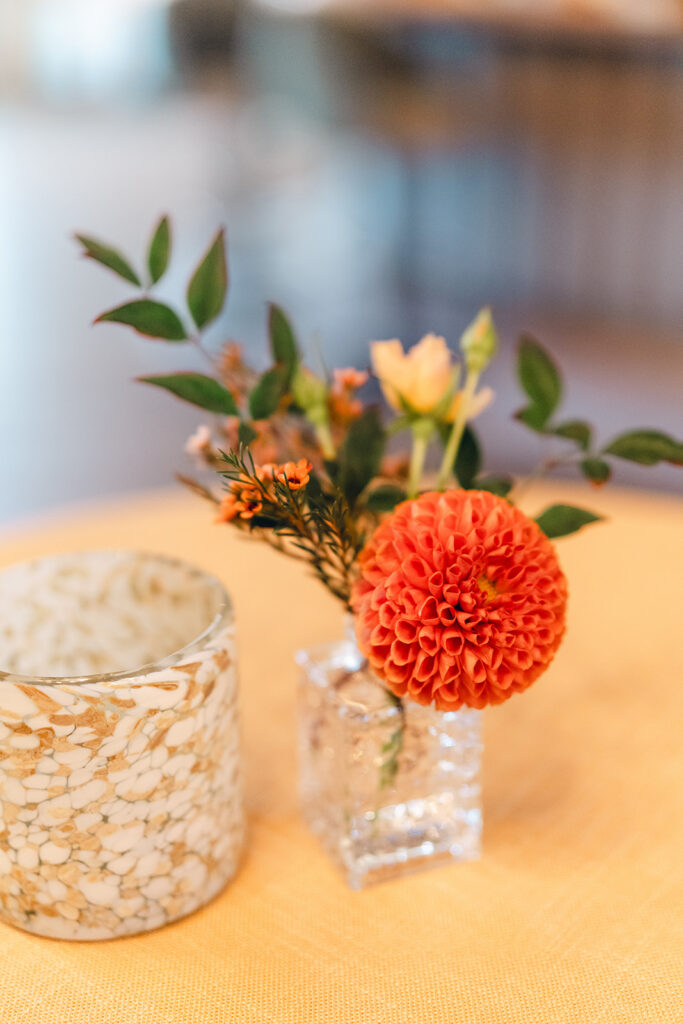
(461, 600)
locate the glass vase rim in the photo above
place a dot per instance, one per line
(310, 660)
(223, 617)
(306, 658)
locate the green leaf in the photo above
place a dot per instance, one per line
(209, 284)
(575, 430)
(500, 485)
(360, 455)
(332, 470)
(314, 491)
(385, 498)
(199, 390)
(596, 470)
(646, 447)
(153, 319)
(561, 520)
(246, 433)
(468, 459)
(282, 341)
(159, 250)
(108, 257)
(532, 417)
(539, 378)
(265, 397)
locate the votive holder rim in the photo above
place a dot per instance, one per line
(224, 617)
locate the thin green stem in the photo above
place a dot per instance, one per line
(421, 439)
(545, 466)
(451, 452)
(324, 435)
(196, 340)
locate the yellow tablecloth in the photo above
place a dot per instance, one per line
(574, 915)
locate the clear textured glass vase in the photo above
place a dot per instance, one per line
(120, 775)
(389, 788)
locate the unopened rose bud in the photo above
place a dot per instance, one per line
(310, 393)
(479, 342)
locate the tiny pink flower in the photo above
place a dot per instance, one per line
(198, 442)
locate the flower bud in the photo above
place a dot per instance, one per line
(479, 342)
(310, 394)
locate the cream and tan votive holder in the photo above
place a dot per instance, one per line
(120, 774)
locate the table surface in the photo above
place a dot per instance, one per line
(574, 915)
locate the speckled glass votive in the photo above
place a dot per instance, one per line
(120, 781)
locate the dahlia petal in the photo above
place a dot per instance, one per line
(403, 654)
(397, 673)
(406, 630)
(435, 584)
(424, 667)
(387, 614)
(446, 614)
(452, 642)
(428, 612)
(416, 571)
(380, 635)
(429, 639)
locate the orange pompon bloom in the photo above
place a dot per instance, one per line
(296, 474)
(461, 600)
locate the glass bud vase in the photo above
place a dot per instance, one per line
(120, 774)
(389, 787)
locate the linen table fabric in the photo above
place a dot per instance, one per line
(574, 915)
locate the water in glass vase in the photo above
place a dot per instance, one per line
(389, 788)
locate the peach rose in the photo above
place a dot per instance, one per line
(422, 377)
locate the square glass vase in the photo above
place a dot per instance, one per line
(390, 788)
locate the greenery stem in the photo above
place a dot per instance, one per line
(421, 438)
(453, 445)
(544, 467)
(324, 435)
(195, 340)
(393, 746)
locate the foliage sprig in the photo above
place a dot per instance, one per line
(311, 522)
(288, 412)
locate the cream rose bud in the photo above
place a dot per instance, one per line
(421, 376)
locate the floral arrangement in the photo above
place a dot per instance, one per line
(459, 597)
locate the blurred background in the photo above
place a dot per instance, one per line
(383, 168)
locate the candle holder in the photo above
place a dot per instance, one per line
(120, 777)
